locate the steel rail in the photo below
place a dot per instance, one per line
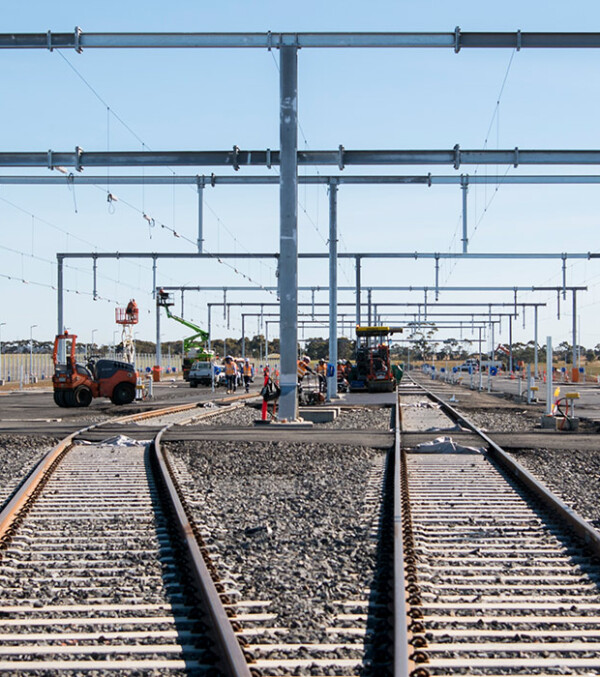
(582, 528)
(230, 651)
(401, 645)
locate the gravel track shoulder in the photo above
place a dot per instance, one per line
(18, 456)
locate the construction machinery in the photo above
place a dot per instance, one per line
(75, 385)
(373, 371)
(194, 346)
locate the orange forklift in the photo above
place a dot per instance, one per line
(76, 385)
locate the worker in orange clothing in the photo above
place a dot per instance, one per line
(322, 375)
(132, 310)
(303, 368)
(230, 374)
(247, 371)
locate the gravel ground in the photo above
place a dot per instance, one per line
(296, 526)
(362, 418)
(511, 420)
(574, 475)
(18, 455)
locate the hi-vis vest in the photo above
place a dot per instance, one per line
(230, 369)
(321, 368)
(247, 370)
(302, 368)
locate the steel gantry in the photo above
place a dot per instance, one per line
(288, 158)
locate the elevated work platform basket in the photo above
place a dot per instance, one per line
(165, 299)
(123, 317)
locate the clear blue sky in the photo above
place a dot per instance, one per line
(213, 99)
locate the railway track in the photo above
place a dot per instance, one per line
(479, 570)
(503, 578)
(101, 571)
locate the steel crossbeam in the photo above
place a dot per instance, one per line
(454, 40)
(340, 157)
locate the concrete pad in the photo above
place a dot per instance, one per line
(280, 425)
(319, 414)
(548, 421)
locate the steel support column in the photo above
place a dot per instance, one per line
(288, 234)
(157, 335)
(549, 386)
(332, 380)
(200, 214)
(510, 346)
(154, 277)
(357, 260)
(209, 328)
(243, 336)
(574, 329)
(535, 342)
(464, 184)
(62, 348)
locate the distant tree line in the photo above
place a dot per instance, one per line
(423, 347)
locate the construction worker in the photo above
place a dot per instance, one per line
(132, 310)
(247, 374)
(230, 374)
(322, 375)
(303, 367)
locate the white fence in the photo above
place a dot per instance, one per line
(25, 368)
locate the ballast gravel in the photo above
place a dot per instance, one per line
(18, 456)
(572, 474)
(295, 523)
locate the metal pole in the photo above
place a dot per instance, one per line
(31, 328)
(182, 302)
(62, 348)
(288, 237)
(535, 341)
(1, 371)
(209, 330)
(157, 335)
(243, 336)
(154, 277)
(332, 380)
(480, 372)
(465, 188)
(510, 350)
(548, 375)
(267, 342)
(200, 214)
(369, 308)
(357, 260)
(574, 332)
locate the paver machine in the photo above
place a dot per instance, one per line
(75, 385)
(373, 371)
(194, 346)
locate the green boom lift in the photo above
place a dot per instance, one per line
(194, 346)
